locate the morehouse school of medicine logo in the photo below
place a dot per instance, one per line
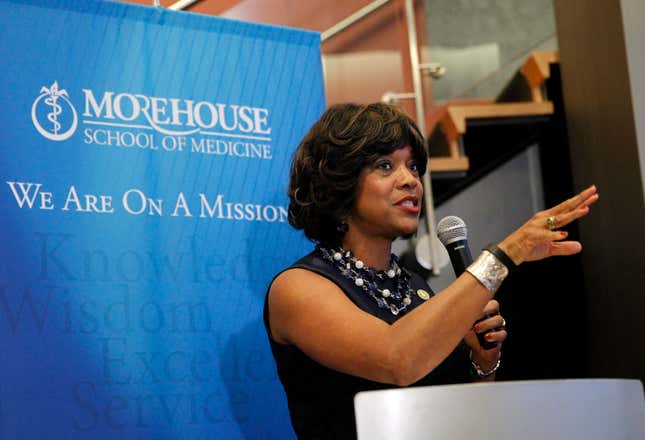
(53, 114)
(135, 121)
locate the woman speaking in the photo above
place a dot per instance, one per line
(346, 317)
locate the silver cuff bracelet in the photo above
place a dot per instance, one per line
(488, 271)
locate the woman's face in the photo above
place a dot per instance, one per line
(389, 197)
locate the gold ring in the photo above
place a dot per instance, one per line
(550, 223)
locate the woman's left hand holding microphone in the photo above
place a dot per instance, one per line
(494, 330)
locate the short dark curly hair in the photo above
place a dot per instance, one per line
(327, 164)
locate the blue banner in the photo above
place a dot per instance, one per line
(144, 157)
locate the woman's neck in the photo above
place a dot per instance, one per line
(374, 253)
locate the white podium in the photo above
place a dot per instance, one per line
(580, 409)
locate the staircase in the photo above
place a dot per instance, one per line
(468, 139)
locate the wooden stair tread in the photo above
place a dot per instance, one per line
(449, 164)
(536, 68)
(454, 121)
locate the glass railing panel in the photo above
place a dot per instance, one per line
(483, 42)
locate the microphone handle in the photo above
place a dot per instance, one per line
(461, 258)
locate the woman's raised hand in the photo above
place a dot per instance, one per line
(540, 238)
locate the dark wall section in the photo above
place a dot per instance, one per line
(605, 151)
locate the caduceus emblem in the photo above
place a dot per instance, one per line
(53, 103)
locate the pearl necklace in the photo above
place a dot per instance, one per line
(369, 279)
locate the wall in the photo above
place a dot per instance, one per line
(601, 67)
(361, 63)
(633, 16)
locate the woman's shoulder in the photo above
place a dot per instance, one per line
(297, 278)
(309, 269)
(298, 291)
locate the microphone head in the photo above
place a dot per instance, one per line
(451, 229)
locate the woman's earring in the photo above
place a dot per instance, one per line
(342, 227)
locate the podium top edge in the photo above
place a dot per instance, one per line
(514, 384)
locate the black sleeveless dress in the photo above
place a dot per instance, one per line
(321, 400)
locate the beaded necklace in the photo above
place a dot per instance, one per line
(371, 280)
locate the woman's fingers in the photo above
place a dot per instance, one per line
(490, 323)
(499, 336)
(491, 307)
(566, 218)
(558, 221)
(545, 224)
(555, 235)
(565, 248)
(591, 200)
(584, 198)
(541, 235)
(538, 238)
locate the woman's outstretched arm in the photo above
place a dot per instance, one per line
(311, 312)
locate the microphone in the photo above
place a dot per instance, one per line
(453, 234)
